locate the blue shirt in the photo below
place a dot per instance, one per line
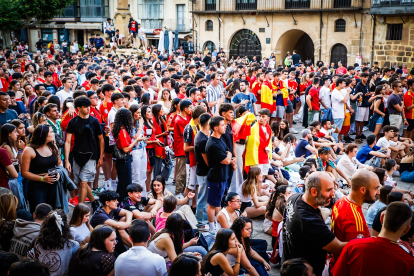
(99, 42)
(301, 148)
(279, 100)
(7, 116)
(363, 154)
(19, 107)
(372, 212)
(241, 97)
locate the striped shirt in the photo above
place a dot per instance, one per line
(213, 94)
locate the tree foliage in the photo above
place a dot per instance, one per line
(17, 14)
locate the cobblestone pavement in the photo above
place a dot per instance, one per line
(257, 223)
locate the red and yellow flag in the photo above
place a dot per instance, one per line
(242, 126)
(267, 98)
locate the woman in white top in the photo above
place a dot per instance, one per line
(287, 150)
(248, 192)
(80, 228)
(165, 100)
(348, 164)
(228, 214)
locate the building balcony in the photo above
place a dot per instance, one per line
(392, 7)
(269, 6)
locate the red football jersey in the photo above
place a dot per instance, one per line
(294, 85)
(257, 86)
(104, 109)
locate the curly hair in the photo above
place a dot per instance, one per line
(237, 227)
(50, 237)
(123, 118)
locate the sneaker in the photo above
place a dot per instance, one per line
(202, 228)
(74, 201)
(396, 174)
(87, 200)
(107, 185)
(294, 123)
(363, 136)
(213, 234)
(365, 128)
(292, 130)
(348, 140)
(95, 205)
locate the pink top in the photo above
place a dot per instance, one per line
(160, 221)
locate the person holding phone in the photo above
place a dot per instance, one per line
(161, 133)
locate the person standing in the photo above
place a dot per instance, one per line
(339, 102)
(295, 58)
(409, 108)
(219, 157)
(182, 119)
(245, 98)
(362, 114)
(257, 88)
(313, 102)
(202, 170)
(348, 221)
(305, 233)
(214, 92)
(395, 106)
(87, 150)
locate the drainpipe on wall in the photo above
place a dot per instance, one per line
(373, 40)
(360, 33)
(320, 32)
(219, 45)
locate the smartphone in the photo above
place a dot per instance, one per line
(288, 139)
(162, 144)
(197, 235)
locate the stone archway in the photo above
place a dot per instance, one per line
(245, 43)
(295, 40)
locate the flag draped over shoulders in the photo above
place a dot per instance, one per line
(266, 97)
(242, 126)
(256, 143)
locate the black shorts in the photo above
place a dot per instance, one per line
(151, 156)
(108, 148)
(289, 108)
(410, 124)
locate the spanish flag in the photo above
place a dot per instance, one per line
(242, 126)
(256, 143)
(267, 98)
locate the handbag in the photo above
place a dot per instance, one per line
(275, 257)
(60, 143)
(120, 154)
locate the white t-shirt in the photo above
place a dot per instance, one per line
(338, 107)
(140, 32)
(327, 131)
(114, 38)
(80, 233)
(325, 96)
(63, 95)
(291, 154)
(389, 181)
(383, 143)
(151, 92)
(111, 120)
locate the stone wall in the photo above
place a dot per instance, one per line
(399, 51)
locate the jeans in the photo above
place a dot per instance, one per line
(237, 179)
(168, 165)
(201, 213)
(196, 248)
(338, 122)
(111, 33)
(260, 246)
(158, 166)
(41, 192)
(139, 168)
(123, 168)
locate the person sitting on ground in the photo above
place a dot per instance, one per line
(228, 214)
(397, 220)
(326, 164)
(8, 207)
(386, 143)
(139, 256)
(379, 204)
(6, 260)
(255, 249)
(248, 192)
(348, 164)
(306, 147)
(287, 152)
(215, 262)
(300, 186)
(185, 265)
(296, 267)
(370, 150)
(28, 267)
(168, 242)
(136, 204)
(54, 240)
(390, 167)
(106, 215)
(169, 205)
(377, 223)
(26, 232)
(80, 229)
(407, 239)
(97, 257)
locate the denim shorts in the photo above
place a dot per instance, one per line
(339, 122)
(380, 121)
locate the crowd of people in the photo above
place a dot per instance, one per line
(225, 135)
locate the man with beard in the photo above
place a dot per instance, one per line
(348, 221)
(304, 231)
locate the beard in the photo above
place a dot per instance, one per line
(320, 200)
(368, 198)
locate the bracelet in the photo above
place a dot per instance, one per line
(41, 179)
(237, 263)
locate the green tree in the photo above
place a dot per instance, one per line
(17, 14)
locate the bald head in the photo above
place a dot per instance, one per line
(315, 180)
(324, 189)
(363, 178)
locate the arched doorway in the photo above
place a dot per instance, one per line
(210, 45)
(246, 43)
(295, 40)
(339, 53)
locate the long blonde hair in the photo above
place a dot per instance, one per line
(248, 186)
(8, 206)
(303, 80)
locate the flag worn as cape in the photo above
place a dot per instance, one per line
(252, 146)
(267, 98)
(242, 126)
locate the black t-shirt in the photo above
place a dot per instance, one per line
(128, 205)
(376, 223)
(295, 59)
(360, 87)
(200, 142)
(216, 150)
(86, 133)
(188, 138)
(228, 137)
(100, 216)
(51, 88)
(305, 233)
